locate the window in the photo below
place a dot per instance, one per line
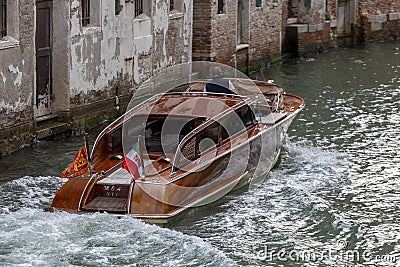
(175, 5)
(85, 13)
(221, 6)
(258, 3)
(138, 7)
(3, 18)
(118, 7)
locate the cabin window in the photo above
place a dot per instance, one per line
(247, 116)
(85, 13)
(164, 135)
(232, 125)
(208, 138)
(221, 7)
(3, 18)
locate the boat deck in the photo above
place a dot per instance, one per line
(120, 177)
(109, 204)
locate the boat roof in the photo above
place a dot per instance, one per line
(189, 104)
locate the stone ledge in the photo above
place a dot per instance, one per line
(394, 16)
(377, 18)
(53, 129)
(315, 27)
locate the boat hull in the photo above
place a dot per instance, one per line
(158, 201)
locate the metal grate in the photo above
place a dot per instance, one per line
(187, 153)
(220, 6)
(85, 12)
(138, 7)
(3, 18)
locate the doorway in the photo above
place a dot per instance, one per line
(243, 21)
(43, 43)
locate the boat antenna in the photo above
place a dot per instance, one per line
(141, 149)
(261, 71)
(88, 153)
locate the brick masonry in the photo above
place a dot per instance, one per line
(215, 35)
(379, 20)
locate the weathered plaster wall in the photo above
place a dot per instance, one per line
(311, 11)
(61, 58)
(120, 51)
(331, 8)
(17, 78)
(105, 59)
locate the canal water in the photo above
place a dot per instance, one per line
(334, 200)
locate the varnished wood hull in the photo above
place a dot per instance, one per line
(162, 201)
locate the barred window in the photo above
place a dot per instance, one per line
(85, 12)
(3, 18)
(221, 6)
(171, 5)
(138, 7)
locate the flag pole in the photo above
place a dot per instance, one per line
(141, 149)
(88, 153)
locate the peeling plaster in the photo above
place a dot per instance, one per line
(15, 70)
(13, 107)
(4, 77)
(123, 48)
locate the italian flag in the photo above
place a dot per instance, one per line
(132, 163)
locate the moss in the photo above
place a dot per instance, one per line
(255, 67)
(243, 69)
(115, 114)
(275, 60)
(92, 122)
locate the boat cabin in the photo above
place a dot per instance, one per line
(174, 130)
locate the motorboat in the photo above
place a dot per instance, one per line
(181, 149)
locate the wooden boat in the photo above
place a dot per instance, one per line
(212, 144)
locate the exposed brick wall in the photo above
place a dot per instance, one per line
(201, 30)
(266, 29)
(265, 26)
(378, 7)
(175, 45)
(378, 20)
(314, 42)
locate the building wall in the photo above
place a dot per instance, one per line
(266, 31)
(378, 19)
(215, 36)
(17, 77)
(202, 30)
(114, 56)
